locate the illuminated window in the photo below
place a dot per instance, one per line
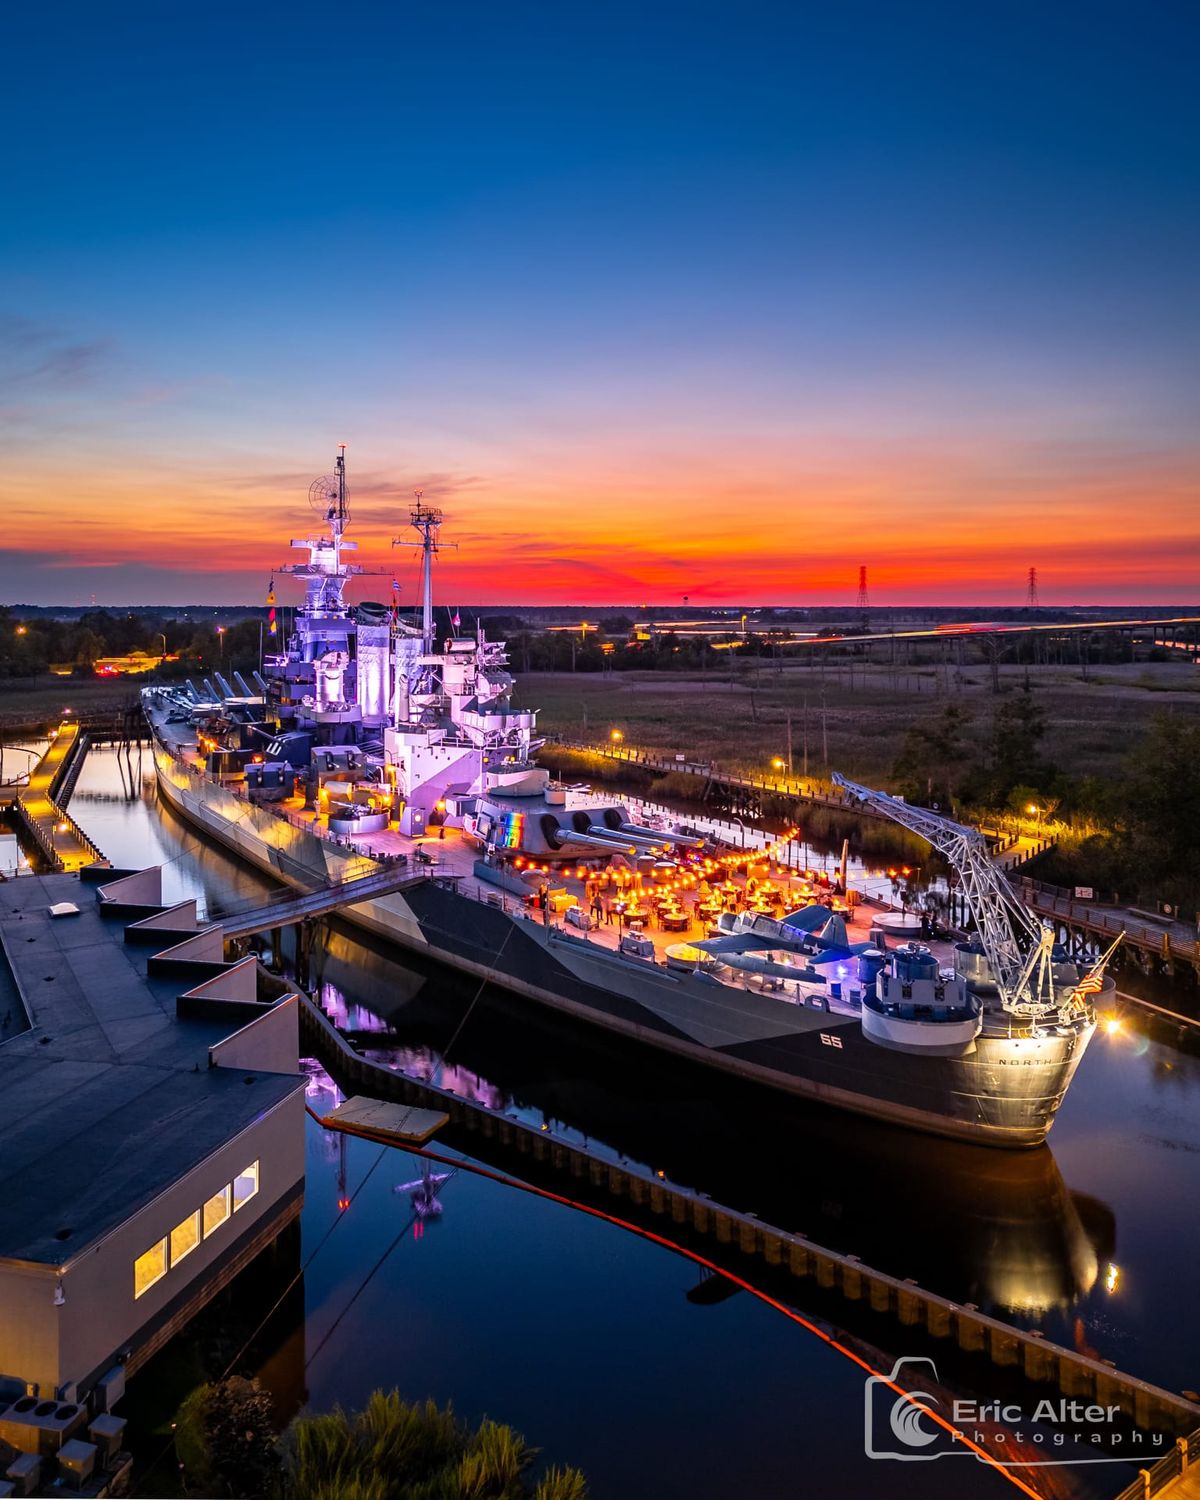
(185, 1237)
(245, 1185)
(216, 1211)
(149, 1268)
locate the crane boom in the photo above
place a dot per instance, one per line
(1018, 947)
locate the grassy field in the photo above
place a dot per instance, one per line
(46, 697)
(739, 717)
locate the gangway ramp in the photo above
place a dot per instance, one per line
(288, 908)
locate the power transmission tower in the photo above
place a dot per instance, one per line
(864, 600)
(1031, 597)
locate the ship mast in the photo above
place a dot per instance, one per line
(338, 518)
(426, 520)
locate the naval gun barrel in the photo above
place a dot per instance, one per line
(566, 838)
(685, 840)
(644, 840)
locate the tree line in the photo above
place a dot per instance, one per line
(31, 646)
(1136, 834)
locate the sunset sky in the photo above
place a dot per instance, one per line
(654, 299)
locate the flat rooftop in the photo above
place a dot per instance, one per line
(108, 1098)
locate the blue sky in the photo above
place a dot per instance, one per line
(601, 274)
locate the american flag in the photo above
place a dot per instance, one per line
(1090, 984)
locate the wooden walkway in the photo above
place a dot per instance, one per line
(1165, 939)
(63, 843)
(1176, 1474)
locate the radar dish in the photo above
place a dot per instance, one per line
(328, 498)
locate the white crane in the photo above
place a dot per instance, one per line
(1018, 947)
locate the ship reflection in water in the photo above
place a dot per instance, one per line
(996, 1228)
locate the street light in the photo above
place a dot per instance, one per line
(616, 736)
(779, 763)
(1035, 811)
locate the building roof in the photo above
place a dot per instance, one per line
(108, 1098)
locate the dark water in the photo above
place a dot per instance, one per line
(583, 1336)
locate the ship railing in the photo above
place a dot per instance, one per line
(901, 1011)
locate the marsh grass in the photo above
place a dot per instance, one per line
(738, 718)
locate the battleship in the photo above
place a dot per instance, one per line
(373, 736)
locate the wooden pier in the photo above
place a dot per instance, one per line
(106, 726)
(1084, 925)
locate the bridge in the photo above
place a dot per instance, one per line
(1176, 632)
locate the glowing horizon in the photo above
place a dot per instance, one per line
(725, 314)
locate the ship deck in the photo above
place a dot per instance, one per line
(665, 917)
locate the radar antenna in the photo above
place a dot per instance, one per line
(328, 495)
(1019, 948)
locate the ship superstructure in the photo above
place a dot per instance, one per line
(431, 717)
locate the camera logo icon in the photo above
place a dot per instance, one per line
(898, 1425)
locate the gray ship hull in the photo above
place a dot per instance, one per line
(1006, 1093)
